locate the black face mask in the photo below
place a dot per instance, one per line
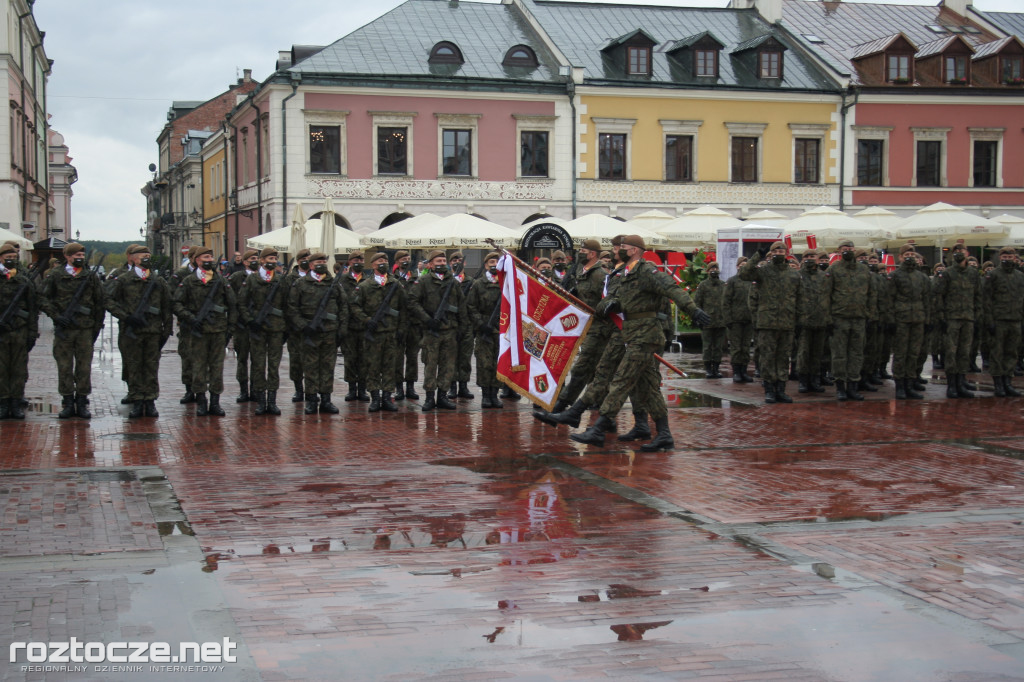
(546, 272)
(1007, 264)
(78, 262)
(321, 269)
(11, 263)
(382, 268)
(270, 267)
(207, 265)
(356, 268)
(873, 267)
(623, 256)
(778, 259)
(910, 262)
(713, 274)
(440, 269)
(145, 263)
(847, 256)
(254, 266)
(493, 270)
(457, 267)
(581, 258)
(959, 257)
(823, 266)
(809, 265)
(304, 265)
(559, 267)
(404, 265)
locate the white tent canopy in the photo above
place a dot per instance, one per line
(7, 235)
(650, 220)
(603, 229)
(460, 230)
(830, 226)
(767, 217)
(1015, 231)
(879, 217)
(943, 224)
(280, 239)
(379, 237)
(697, 228)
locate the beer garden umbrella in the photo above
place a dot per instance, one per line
(651, 220)
(344, 240)
(830, 226)
(7, 235)
(697, 228)
(943, 224)
(379, 237)
(327, 232)
(603, 229)
(1014, 231)
(297, 237)
(460, 230)
(767, 218)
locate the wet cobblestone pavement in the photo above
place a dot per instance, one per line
(880, 540)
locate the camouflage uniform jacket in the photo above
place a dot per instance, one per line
(28, 305)
(640, 293)
(848, 291)
(349, 284)
(126, 293)
(811, 313)
(483, 297)
(238, 279)
(179, 275)
(911, 292)
(590, 284)
(369, 296)
(425, 297)
(1002, 295)
(958, 292)
(59, 288)
(778, 293)
(190, 296)
(735, 306)
(710, 297)
(304, 299)
(254, 294)
(885, 311)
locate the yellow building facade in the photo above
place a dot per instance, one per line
(215, 193)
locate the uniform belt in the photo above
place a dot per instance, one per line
(647, 315)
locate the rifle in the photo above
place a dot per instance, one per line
(442, 308)
(12, 308)
(207, 307)
(67, 317)
(317, 323)
(142, 308)
(267, 307)
(384, 307)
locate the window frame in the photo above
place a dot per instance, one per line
(394, 119)
(994, 135)
(511, 59)
(645, 63)
(613, 126)
(899, 57)
(680, 128)
(454, 56)
(960, 66)
(747, 130)
(931, 135)
(532, 123)
(467, 122)
(880, 133)
(1010, 60)
(762, 55)
(697, 62)
(799, 157)
(810, 131)
(325, 118)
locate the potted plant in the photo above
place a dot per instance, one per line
(1014, 80)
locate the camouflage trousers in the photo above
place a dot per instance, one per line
(355, 359)
(487, 361)
(637, 376)
(241, 342)
(407, 361)
(872, 346)
(73, 355)
(379, 359)
(885, 347)
(207, 362)
(713, 344)
(810, 350)
(265, 353)
(906, 349)
(13, 363)
(585, 366)
(185, 353)
(774, 346)
(319, 355)
(439, 359)
(295, 357)
(740, 336)
(847, 348)
(141, 359)
(121, 340)
(464, 361)
(959, 337)
(597, 389)
(1003, 348)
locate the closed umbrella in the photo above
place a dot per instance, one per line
(830, 227)
(460, 230)
(327, 228)
(297, 237)
(603, 229)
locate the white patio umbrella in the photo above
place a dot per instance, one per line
(768, 218)
(603, 229)
(1014, 233)
(697, 228)
(830, 226)
(379, 237)
(327, 228)
(651, 220)
(943, 224)
(344, 240)
(7, 235)
(297, 238)
(460, 230)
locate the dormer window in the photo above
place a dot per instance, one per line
(445, 53)
(769, 64)
(630, 53)
(638, 60)
(955, 69)
(705, 63)
(520, 55)
(898, 68)
(1012, 69)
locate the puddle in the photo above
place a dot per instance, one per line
(108, 475)
(135, 436)
(173, 528)
(685, 398)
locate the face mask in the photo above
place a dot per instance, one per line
(304, 264)
(321, 269)
(959, 257)
(778, 259)
(873, 267)
(809, 265)
(713, 274)
(78, 262)
(382, 268)
(581, 258)
(270, 267)
(1007, 265)
(456, 267)
(10, 264)
(404, 265)
(823, 266)
(909, 262)
(623, 256)
(560, 267)
(145, 263)
(493, 270)
(847, 256)
(206, 265)
(440, 269)
(546, 272)
(356, 268)
(254, 266)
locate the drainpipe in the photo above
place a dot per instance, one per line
(234, 189)
(842, 145)
(570, 89)
(296, 79)
(259, 169)
(227, 147)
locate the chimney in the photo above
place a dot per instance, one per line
(958, 6)
(246, 75)
(770, 10)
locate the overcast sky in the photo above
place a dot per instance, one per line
(118, 65)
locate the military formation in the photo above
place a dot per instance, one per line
(825, 319)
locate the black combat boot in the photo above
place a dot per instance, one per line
(901, 389)
(453, 391)
(709, 372)
(747, 379)
(909, 388)
(594, 435)
(399, 393)
(826, 378)
(5, 408)
(16, 410)
(429, 402)
(780, 393)
(997, 384)
(82, 406)
(737, 374)
(353, 392)
(215, 409)
(865, 384)
(312, 403)
(149, 407)
(974, 365)
(917, 384)
(875, 379)
(769, 391)
(815, 383)
(495, 401)
(364, 397)
(126, 400)
(485, 400)
(410, 391)
(952, 386)
(640, 431)
(851, 391)
(508, 394)
(188, 398)
(272, 407)
(464, 391)
(937, 362)
(540, 414)
(202, 408)
(261, 403)
(68, 404)
(841, 391)
(1008, 387)
(965, 387)
(883, 373)
(444, 402)
(137, 410)
(386, 403)
(571, 416)
(804, 385)
(299, 395)
(374, 401)
(920, 380)
(326, 406)
(663, 440)
(243, 393)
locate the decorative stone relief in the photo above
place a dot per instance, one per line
(429, 189)
(713, 193)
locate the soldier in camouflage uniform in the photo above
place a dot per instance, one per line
(440, 343)
(318, 290)
(872, 328)
(75, 330)
(881, 350)
(778, 299)
(184, 335)
(710, 297)
(464, 361)
(352, 344)
(849, 300)
(293, 336)
(1002, 296)
(911, 291)
(483, 305)
(18, 332)
(108, 283)
(243, 369)
(811, 322)
(381, 319)
(957, 291)
(206, 288)
(407, 361)
(559, 263)
(736, 313)
(638, 298)
(141, 302)
(265, 295)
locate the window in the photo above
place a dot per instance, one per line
(445, 53)
(265, 144)
(770, 64)
(324, 149)
(870, 161)
(807, 160)
(611, 156)
(1012, 70)
(706, 63)
(678, 158)
(520, 55)
(986, 154)
(457, 152)
(929, 163)
(245, 156)
(898, 70)
(744, 159)
(392, 158)
(956, 69)
(533, 156)
(638, 61)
